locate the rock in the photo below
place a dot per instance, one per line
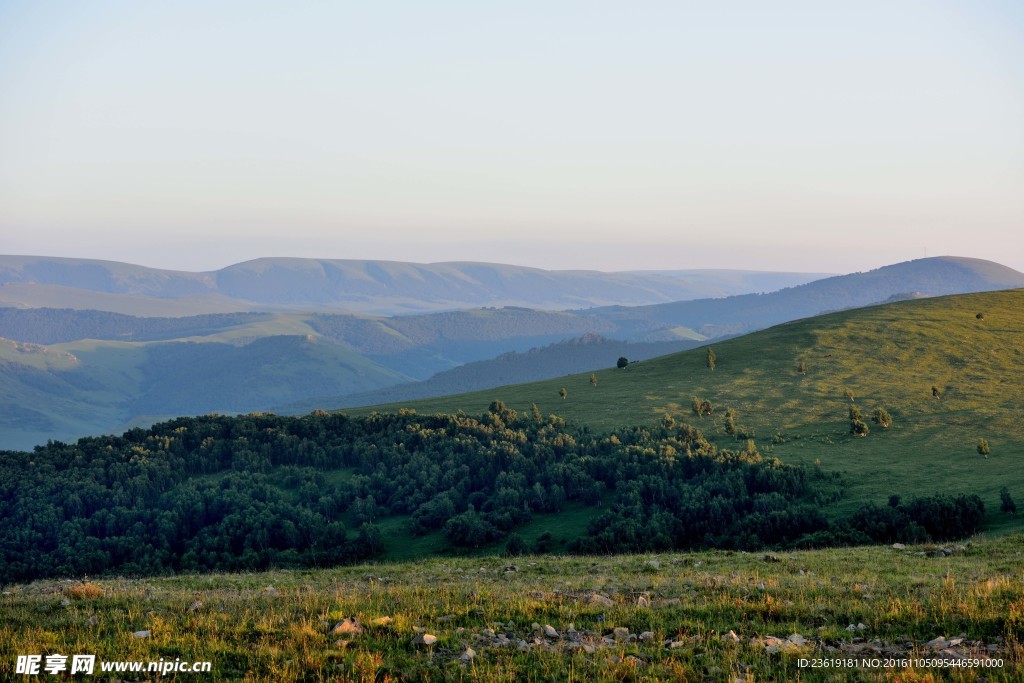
(939, 643)
(654, 564)
(602, 600)
(381, 621)
(760, 586)
(771, 558)
(347, 627)
(634, 660)
(955, 641)
(676, 644)
(65, 602)
(620, 633)
(535, 626)
(861, 626)
(643, 602)
(141, 634)
(550, 631)
(589, 649)
(425, 639)
(698, 563)
(194, 606)
(468, 655)
(92, 621)
(898, 546)
(851, 628)
(270, 592)
(445, 618)
(731, 637)
(797, 639)
(647, 635)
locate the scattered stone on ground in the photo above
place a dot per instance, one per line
(348, 627)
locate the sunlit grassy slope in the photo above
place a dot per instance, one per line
(886, 356)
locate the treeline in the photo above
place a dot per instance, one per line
(218, 493)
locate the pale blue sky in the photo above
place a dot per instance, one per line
(775, 135)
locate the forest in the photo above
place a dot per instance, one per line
(261, 490)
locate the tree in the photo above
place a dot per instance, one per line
(983, 447)
(980, 316)
(882, 418)
(730, 421)
(848, 393)
(536, 414)
(593, 379)
(858, 428)
(855, 413)
(702, 407)
(711, 359)
(622, 362)
(563, 392)
(936, 392)
(1008, 504)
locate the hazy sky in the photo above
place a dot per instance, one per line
(822, 136)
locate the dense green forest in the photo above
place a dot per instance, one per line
(261, 490)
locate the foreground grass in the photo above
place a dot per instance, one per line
(276, 626)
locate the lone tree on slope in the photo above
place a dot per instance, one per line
(623, 362)
(1007, 502)
(711, 359)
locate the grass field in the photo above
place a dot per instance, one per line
(885, 356)
(709, 616)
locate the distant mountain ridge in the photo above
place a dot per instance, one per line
(361, 286)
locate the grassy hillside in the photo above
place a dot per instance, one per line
(578, 354)
(718, 616)
(886, 356)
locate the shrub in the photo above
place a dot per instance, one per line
(85, 591)
(983, 447)
(622, 362)
(882, 418)
(701, 407)
(515, 546)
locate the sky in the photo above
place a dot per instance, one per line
(808, 136)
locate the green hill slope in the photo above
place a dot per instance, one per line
(886, 356)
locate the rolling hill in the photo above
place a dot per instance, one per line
(887, 356)
(934, 276)
(130, 370)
